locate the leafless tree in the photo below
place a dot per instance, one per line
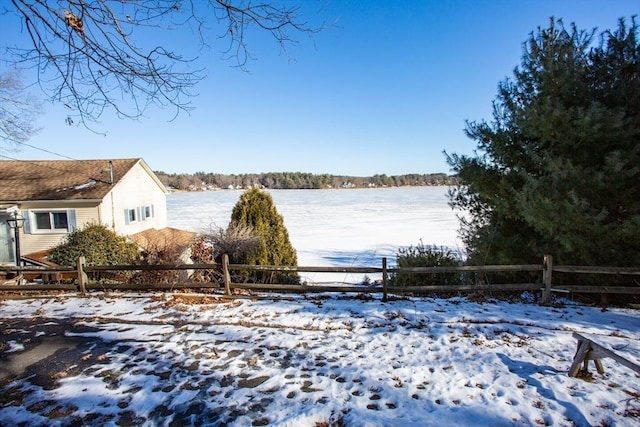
(18, 110)
(93, 55)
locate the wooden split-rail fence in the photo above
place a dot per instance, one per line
(545, 287)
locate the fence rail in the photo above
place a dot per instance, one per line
(545, 286)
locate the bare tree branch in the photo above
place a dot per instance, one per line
(18, 110)
(94, 55)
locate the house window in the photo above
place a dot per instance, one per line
(131, 216)
(51, 221)
(137, 214)
(147, 212)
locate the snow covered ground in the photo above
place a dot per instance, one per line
(311, 361)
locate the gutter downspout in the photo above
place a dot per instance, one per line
(113, 208)
(113, 212)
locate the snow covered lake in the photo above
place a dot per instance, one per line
(345, 227)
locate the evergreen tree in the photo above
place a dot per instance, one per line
(256, 210)
(558, 168)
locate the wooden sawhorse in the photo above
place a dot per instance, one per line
(590, 350)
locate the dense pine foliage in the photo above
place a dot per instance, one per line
(256, 210)
(558, 168)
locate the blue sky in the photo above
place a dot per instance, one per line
(385, 90)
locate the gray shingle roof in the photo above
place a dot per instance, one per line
(59, 179)
(165, 237)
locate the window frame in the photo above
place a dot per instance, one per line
(35, 229)
(138, 214)
(147, 212)
(132, 216)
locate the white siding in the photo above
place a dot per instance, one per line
(86, 215)
(134, 191)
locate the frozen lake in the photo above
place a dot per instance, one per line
(345, 227)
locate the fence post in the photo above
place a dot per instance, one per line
(225, 274)
(82, 276)
(384, 279)
(547, 269)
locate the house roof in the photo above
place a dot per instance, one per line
(165, 237)
(40, 258)
(24, 180)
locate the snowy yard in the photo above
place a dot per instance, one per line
(310, 361)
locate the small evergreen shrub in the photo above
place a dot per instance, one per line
(99, 246)
(256, 210)
(426, 256)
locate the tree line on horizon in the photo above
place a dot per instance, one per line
(200, 181)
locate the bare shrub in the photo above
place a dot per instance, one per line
(236, 241)
(159, 252)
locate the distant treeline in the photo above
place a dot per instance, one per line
(202, 181)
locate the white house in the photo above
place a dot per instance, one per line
(56, 197)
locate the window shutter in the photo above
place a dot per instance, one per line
(71, 220)
(27, 224)
(152, 212)
(138, 214)
(126, 216)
